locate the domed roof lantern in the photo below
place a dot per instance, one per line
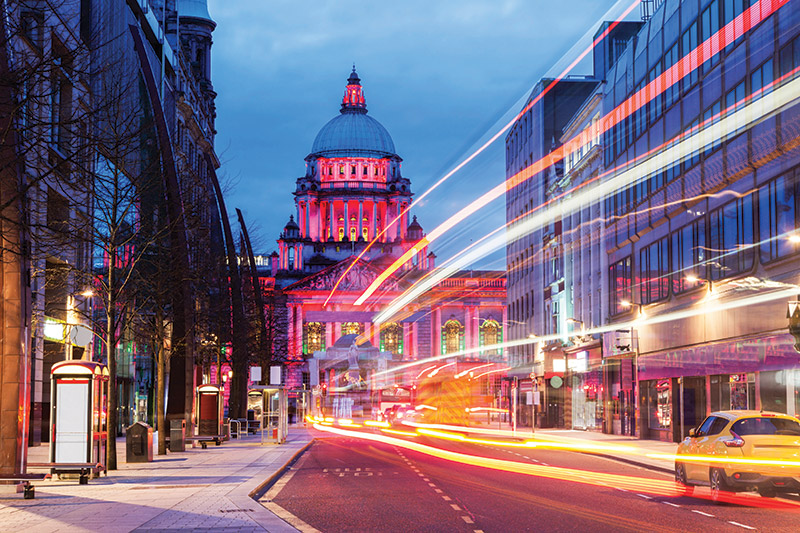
(414, 230)
(353, 100)
(291, 229)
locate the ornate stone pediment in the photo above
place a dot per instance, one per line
(357, 278)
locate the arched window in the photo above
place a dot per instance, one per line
(491, 333)
(353, 233)
(315, 337)
(392, 338)
(364, 234)
(341, 234)
(452, 337)
(351, 328)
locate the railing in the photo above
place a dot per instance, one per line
(362, 185)
(471, 282)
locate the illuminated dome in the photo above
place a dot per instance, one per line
(353, 133)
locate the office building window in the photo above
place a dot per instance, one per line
(620, 282)
(731, 238)
(688, 255)
(777, 218)
(654, 271)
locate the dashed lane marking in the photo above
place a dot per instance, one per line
(740, 525)
(467, 519)
(455, 507)
(672, 504)
(431, 485)
(446, 498)
(702, 513)
(645, 496)
(437, 491)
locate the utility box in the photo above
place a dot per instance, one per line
(177, 435)
(139, 443)
(78, 414)
(209, 410)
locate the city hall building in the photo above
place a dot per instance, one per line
(351, 223)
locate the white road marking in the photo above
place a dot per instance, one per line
(645, 496)
(740, 525)
(702, 513)
(424, 478)
(456, 507)
(431, 485)
(672, 504)
(467, 519)
(437, 491)
(446, 498)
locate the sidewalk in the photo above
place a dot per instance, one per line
(625, 449)
(198, 489)
(652, 454)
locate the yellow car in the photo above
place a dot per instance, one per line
(726, 449)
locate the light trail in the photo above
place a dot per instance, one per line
(743, 118)
(473, 369)
(484, 146)
(640, 484)
(683, 67)
(707, 308)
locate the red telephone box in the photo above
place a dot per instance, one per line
(209, 410)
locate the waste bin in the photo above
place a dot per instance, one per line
(139, 443)
(177, 435)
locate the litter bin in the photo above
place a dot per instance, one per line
(177, 435)
(139, 443)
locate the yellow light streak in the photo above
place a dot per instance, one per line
(399, 432)
(688, 458)
(376, 424)
(638, 484)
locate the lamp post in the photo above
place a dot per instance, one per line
(635, 348)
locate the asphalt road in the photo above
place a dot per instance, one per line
(348, 484)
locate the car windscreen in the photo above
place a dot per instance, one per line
(766, 426)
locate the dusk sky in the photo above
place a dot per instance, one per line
(438, 75)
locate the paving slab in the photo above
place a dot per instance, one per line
(196, 490)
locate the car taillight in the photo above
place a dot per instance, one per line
(735, 442)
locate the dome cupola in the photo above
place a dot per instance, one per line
(353, 133)
(291, 230)
(414, 232)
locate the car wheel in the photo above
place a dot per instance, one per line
(684, 488)
(718, 485)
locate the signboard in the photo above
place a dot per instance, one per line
(537, 398)
(529, 398)
(275, 375)
(255, 374)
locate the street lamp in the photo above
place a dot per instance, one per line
(691, 278)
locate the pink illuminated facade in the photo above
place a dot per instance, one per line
(353, 192)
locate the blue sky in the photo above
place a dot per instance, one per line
(438, 74)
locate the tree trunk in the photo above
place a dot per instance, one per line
(111, 344)
(161, 376)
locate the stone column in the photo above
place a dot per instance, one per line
(374, 222)
(298, 330)
(328, 335)
(331, 221)
(436, 332)
(505, 332)
(360, 216)
(346, 220)
(290, 348)
(414, 340)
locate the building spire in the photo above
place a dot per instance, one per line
(353, 101)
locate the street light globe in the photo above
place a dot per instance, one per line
(88, 293)
(625, 303)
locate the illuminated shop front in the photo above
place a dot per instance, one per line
(679, 388)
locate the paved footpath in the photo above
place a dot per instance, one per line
(197, 490)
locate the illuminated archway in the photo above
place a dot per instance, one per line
(392, 338)
(351, 328)
(314, 338)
